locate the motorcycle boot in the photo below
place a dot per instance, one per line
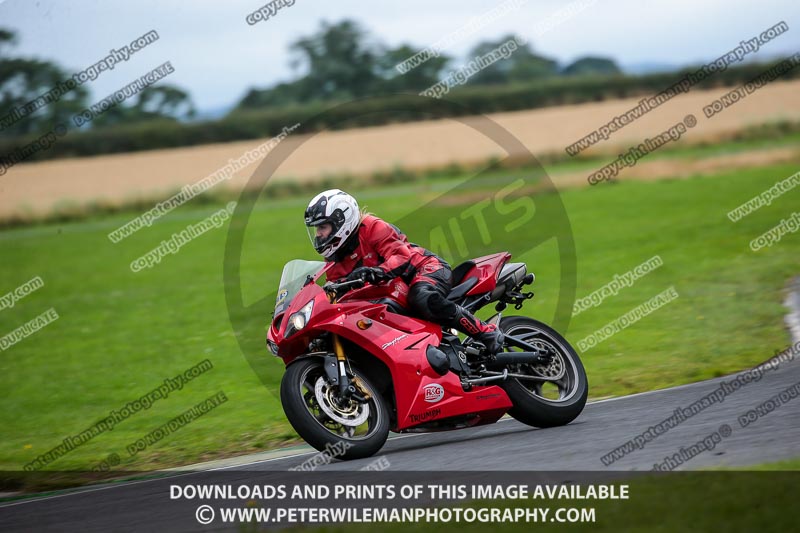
(486, 334)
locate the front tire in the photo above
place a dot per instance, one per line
(547, 404)
(356, 430)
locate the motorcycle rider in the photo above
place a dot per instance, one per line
(365, 247)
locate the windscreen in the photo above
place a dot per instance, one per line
(293, 278)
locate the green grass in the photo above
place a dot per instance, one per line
(121, 334)
(777, 466)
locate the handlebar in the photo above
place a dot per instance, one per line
(336, 287)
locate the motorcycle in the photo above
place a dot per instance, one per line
(358, 366)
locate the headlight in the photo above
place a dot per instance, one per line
(299, 319)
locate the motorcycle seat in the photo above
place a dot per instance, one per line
(460, 290)
(460, 271)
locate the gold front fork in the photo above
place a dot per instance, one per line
(341, 359)
(337, 349)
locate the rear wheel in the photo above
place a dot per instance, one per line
(314, 410)
(559, 397)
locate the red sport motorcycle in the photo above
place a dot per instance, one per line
(357, 366)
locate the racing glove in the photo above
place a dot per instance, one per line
(369, 274)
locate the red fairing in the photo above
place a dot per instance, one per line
(396, 289)
(486, 270)
(421, 395)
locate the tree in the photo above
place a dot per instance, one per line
(7, 37)
(339, 60)
(280, 95)
(154, 102)
(23, 81)
(165, 101)
(521, 65)
(415, 80)
(592, 65)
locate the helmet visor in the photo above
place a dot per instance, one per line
(321, 236)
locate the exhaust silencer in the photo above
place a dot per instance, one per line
(515, 358)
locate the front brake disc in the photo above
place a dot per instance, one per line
(353, 414)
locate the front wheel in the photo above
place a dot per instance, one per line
(556, 401)
(347, 429)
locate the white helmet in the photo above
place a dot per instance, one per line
(340, 210)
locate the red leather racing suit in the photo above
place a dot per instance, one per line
(380, 244)
(383, 245)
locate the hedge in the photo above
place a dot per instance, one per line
(373, 111)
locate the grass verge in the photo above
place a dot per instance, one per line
(121, 334)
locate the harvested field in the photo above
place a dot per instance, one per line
(39, 187)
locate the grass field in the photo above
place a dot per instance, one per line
(121, 334)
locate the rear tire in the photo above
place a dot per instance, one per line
(532, 405)
(350, 436)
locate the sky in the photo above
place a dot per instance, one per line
(218, 56)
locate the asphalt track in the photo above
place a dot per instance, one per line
(505, 446)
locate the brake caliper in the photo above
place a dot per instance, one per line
(360, 386)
